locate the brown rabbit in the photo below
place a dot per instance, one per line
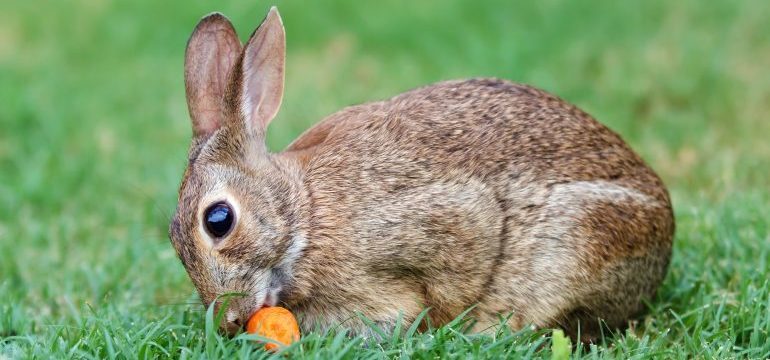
(478, 192)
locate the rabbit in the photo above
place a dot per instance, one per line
(478, 194)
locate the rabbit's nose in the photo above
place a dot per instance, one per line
(232, 323)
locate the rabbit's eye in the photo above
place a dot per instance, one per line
(218, 219)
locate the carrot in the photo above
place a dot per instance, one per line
(275, 323)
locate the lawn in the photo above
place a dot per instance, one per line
(94, 134)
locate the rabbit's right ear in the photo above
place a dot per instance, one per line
(262, 73)
(212, 50)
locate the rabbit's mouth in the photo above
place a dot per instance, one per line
(237, 318)
(240, 310)
(270, 292)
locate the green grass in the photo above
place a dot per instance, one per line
(94, 134)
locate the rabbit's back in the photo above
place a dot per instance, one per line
(485, 191)
(488, 128)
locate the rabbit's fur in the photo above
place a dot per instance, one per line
(479, 192)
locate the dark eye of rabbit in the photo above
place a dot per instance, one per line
(218, 219)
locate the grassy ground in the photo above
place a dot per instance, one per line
(94, 133)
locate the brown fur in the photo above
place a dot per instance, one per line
(477, 192)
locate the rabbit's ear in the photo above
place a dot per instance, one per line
(212, 50)
(262, 73)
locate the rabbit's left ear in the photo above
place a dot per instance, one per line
(261, 74)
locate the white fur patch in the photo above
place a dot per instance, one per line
(298, 243)
(598, 190)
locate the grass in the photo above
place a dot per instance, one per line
(94, 133)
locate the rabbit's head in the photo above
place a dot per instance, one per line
(235, 226)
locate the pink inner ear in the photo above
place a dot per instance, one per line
(263, 72)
